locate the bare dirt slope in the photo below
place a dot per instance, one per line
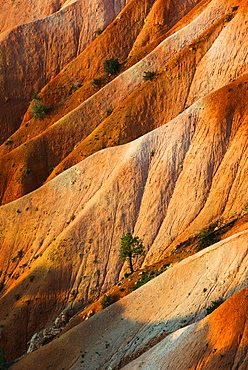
(79, 114)
(15, 12)
(165, 159)
(215, 342)
(33, 53)
(164, 187)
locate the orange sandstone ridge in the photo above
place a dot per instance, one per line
(155, 313)
(165, 158)
(34, 52)
(69, 134)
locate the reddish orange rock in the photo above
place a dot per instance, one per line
(159, 150)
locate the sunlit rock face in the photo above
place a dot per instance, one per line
(159, 150)
(34, 51)
(170, 311)
(207, 344)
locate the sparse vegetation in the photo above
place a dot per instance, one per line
(149, 275)
(214, 305)
(31, 278)
(99, 31)
(72, 217)
(109, 111)
(245, 208)
(131, 246)
(143, 280)
(38, 109)
(229, 17)
(75, 86)
(8, 142)
(106, 300)
(96, 82)
(148, 76)
(18, 256)
(17, 296)
(126, 274)
(36, 96)
(111, 66)
(206, 239)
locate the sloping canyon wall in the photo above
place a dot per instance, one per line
(34, 52)
(164, 187)
(80, 126)
(169, 161)
(177, 298)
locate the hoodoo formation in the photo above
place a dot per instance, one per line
(123, 116)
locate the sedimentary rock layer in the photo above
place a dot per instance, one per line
(176, 298)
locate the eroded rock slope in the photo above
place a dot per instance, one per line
(177, 298)
(34, 52)
(164, 187)
(78, 126)
(170, 161)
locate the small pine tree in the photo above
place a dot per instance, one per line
(131, 246)
(38, 109)
(96, 82)
(109, 111)
(111, 66)
(207, 238)
(214, 305)
(36, 96)
(99, 31)
(148, 76)
(106, 300)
